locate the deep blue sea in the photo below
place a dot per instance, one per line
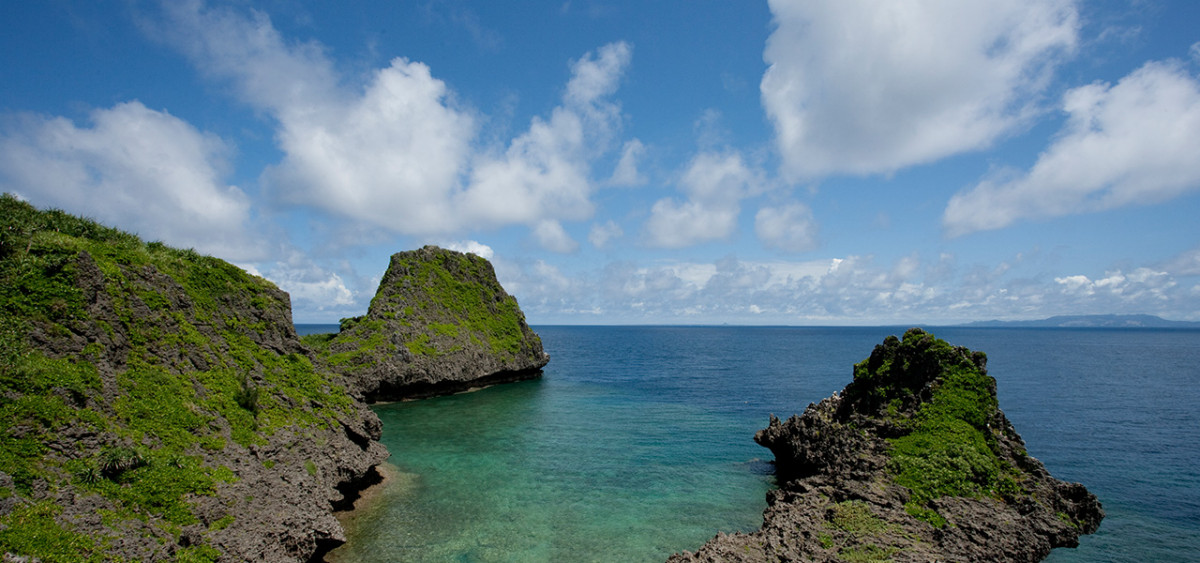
(637, 442)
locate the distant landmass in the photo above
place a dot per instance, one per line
(1092, 321)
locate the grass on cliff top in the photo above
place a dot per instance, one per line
(451, 296)
(460, 291)
(948, 446)
(151, 441)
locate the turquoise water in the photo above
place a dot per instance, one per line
(637, 443)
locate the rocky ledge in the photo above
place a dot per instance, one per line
(912, 461)
(440, 323)
(157, 404)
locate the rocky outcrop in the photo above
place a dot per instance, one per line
(440, 323)
(912, 461)
(156, 404)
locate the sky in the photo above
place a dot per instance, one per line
(789, 162)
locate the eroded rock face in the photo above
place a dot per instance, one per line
(158, 405)
(913, 461)
(440, 323)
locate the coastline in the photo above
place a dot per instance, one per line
(392, 481)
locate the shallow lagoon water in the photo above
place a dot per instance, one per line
(637, 443)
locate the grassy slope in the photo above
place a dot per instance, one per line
(114, 417)
(948, 446)
(437, 301)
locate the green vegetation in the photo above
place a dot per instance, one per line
(31, 529)
(947, 448)
(154, 353)
(860, 530)
(460, 296)
(432, 302)
(854, 517)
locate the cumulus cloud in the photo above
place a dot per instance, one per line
(545, 173)
(1116, 289)
(474, 247)
(626, 173)
(318, 292)
(398, 151)
(1133, 143)
(790, 227)
(1185, 264)
(551, 236)
(861, 87)
(714, 183)
(850, 289)
(390, 153)
(143, 170)
(601, 234)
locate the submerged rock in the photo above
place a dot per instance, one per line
(912, 461)
(440, 323)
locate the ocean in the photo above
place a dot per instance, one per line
(637, 442)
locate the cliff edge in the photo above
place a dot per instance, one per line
(440, 323)
(912, 461)
(157, 405)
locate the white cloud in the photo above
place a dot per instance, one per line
(715, 183)
(545, 173)
(678, 225)
(477, 248)
(139, 169)
(391, 153)
(790, 227)
(1186, 263)
(1144, 287)
(1194, 51)
(551, 236)
(391, 157)
(1133, 143)
(329, 292)
(850, 289)
(861, 87)
(318, 293)
(601, 234)
(397, 151)
(626, 173)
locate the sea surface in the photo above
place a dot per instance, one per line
(637, 442)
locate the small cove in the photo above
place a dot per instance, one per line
(637, 442)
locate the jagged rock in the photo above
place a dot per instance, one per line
(912, 461)
(440, 323)
(158, 405)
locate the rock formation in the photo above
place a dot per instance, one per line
(156, 404)
(439, 323)
(913, 461)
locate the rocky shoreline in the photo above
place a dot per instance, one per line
(912, 461)
(440, 323)
(158, 404)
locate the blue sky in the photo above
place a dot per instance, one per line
(817, 162)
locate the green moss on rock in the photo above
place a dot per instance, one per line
(439, 322)
(110, 345)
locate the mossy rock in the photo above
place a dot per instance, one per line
(135, 381)
(440, 322)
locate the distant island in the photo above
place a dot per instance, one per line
(1091, 321)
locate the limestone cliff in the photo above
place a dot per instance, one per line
(439, 323)
(156, 405)
(913, 461)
